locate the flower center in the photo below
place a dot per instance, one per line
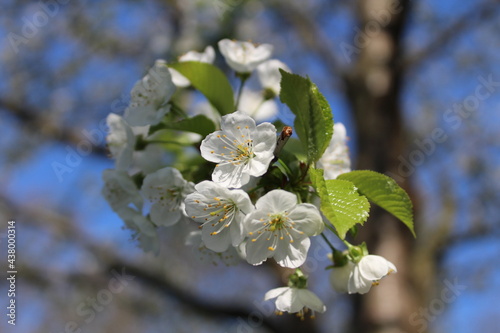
(218, 211)
(240, 147)
(169, 197)
(277, 222)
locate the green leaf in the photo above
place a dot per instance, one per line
(340, 202)
(210, 81)
(313, 116)
(384, 192)
(198, 124)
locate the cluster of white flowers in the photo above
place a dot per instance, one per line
(269, 223)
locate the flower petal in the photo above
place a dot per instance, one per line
(357, 283)
(307, 219)
(276, 201)
(294, 254)
(373, 267)
(339, 277)
(273, 293)
(310, 300)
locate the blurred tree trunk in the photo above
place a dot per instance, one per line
(374, 87)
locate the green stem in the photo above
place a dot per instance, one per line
(176, 109)
(333, 230)
(164, 141)
(243, 78)
(328, 242)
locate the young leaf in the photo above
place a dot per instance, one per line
(198, 124)
(313, 116)
(340, 202)
(384, 192)
(210, 81)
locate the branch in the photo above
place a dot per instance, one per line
(486, 10)
(36, 122)
(311, 35)
(110, 260)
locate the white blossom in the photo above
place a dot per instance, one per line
(230, 257)
(367, 272)
(361, 276)
(244, 57)
(136, 221)
(120, 190)
(144, 231)
(339, 277)
(150, 95)
(335, 160)
(280, 228)
(121, 141)
(241, 149)
(270, 76)
(153, 157)
(207, 56)
(166, 189)
(296, 300)
(254, 105)
(221, 211)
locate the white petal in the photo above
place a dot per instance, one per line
(149, 95)
(216, 242)
(277, 201)
(120, 190)
(258, 251)
(178, 79)
(373, 267)
(207, 56)
(357, 283)
(288, 301)
(212, 146)
(310, 300)
(265, 137)
(253, 104)
(121, 141)
(230, 122)
(307, 219)
(296, 253)
(335, 159)
(269, 74)
(244, 57)
(137, 221)
(163, 216)
(273, 293)
(339, 277)
(236, 230)
(230, 175)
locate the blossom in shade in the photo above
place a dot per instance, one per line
(335, 159)
(280, 228)
(221, 211)
(121, 141)
(166, 189)
(136, 221)
(241, 149)
(339, 276)
(244, 57)
(144, 231)
(254, 104)
(270, 76)
(296, 300)
(207, 56)
(150, 95)
(120, 190)
(230, 257)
